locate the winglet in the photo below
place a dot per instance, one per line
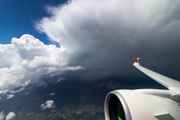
(136, 63)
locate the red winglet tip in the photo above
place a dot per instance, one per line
(136, 63)
(137, 60)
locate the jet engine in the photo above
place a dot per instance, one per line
(142, 104)
(145, 104)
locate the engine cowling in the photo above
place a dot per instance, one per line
(136, 105)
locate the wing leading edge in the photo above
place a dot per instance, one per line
(169, 83)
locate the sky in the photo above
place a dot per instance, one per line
(93, 39)
(18, 17)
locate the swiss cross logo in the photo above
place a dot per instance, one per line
(137, 61)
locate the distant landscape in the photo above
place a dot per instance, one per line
(72, 99)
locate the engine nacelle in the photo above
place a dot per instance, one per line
(136, 105)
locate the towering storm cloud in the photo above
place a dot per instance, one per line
(111, 34)
(103, 37)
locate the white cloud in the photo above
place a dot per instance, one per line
(3, 92)
(10, 116)
(10, 96)
(17, 90)
(26, 59)
(51, 94)
(60, 79)
(110, 33)
(94, 34)
(2, 115)
(83, 24)
(48, 104)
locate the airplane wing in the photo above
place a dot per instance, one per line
(169, 83)
(145, 104)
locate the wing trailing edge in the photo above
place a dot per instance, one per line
(169, 83)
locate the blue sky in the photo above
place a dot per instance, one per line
(17, 17)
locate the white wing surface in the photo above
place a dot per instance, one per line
(145, 104)
(169, 83)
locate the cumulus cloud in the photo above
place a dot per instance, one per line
(111, 34)
(102, 36)
(10, 96)
(10, 116)
(17, 90)
(51, 94)
(2, 115)
(60, 79)
(3, 92)
(27, 59)
(48, 104)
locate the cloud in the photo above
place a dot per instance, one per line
(17, 90)
(104, 37)
(2, 115)
(113, 85)
(51, 94)
(27, 59)
(10, 116)
(3, 92)
(60, 79)
(111, 34)
(48, 104)
(10, 96)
